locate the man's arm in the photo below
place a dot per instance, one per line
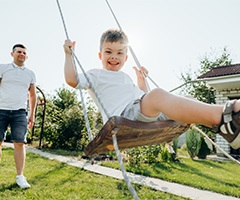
(32, 104)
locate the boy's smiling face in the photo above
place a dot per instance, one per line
(113, 55)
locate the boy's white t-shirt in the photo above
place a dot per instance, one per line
(114, 89)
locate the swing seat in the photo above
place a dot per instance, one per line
(133, 134)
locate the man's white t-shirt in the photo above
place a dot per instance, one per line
(14, 85)
(115, 90)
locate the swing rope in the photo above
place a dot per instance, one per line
(87, 78)
(124, 173)
(213, 143)
(131, 50)
(131, 189)
(114, 132)
(80, 89)
(192, 126)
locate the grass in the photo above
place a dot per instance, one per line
(220, 177)
(51, 179)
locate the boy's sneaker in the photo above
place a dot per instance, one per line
(22, 182)
(229, 127)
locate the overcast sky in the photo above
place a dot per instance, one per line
(168, 37)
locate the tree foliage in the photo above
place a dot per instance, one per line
(203, 150)
(65, 126)
(193, 142)
(199, 89)
(152, 153)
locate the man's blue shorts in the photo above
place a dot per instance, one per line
(17, 120)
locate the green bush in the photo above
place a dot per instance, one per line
(65, 126)
(165, 155)
(204, 150)
(192, 142)
(145, 154)
(151, 154)
(175, 148)
(134, 156)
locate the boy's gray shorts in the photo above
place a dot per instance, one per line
(133, 112)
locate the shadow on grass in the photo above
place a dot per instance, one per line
(10, 187)
(188, 169)
(50, 174)
(162, 171)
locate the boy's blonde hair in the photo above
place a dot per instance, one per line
(113, 35)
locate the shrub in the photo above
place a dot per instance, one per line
(65, 126)
(192, 142)
(204, 150)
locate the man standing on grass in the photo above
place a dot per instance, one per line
(17, 85)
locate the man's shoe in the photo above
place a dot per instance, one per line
(22, 182)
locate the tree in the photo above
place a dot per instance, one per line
(200, 90)
(204, 150)
(193, 142)
(65, 124)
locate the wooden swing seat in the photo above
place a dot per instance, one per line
(133, 134)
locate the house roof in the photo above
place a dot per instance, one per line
(223, 77)
(222, 71)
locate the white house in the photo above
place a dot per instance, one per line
(226, 81)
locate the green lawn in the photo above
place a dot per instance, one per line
(221, 177)
(51, 179)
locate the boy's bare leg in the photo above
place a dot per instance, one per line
(19, 157)
(181, 109)
(187, 110)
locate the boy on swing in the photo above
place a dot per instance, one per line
(122, 97)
